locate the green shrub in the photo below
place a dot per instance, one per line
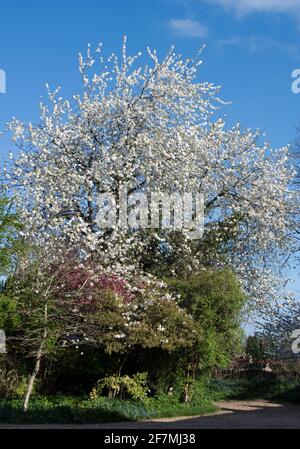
(8, 381)
(134, 387)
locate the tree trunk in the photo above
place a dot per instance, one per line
(186, 393)
(37, 361)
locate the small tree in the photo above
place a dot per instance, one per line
(121, 317)
(215, 301)
(257, 348)
(42, 319)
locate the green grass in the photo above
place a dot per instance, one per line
(82, 410)
(255, 388)
(75, 410)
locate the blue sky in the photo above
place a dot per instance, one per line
(252, 48)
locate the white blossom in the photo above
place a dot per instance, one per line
(152, 127)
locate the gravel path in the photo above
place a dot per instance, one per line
(232, 415)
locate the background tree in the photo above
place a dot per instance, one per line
(10, 227)
(257, 348)
(281, 329)
(295, 158)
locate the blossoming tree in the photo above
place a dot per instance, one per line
(152, 127)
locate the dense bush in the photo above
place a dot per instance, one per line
(8, 381)
(215, 301)
(134, 387)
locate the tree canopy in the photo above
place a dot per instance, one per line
(153, 127)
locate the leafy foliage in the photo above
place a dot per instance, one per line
(10, 225)
(215, 300)
(134, 387)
